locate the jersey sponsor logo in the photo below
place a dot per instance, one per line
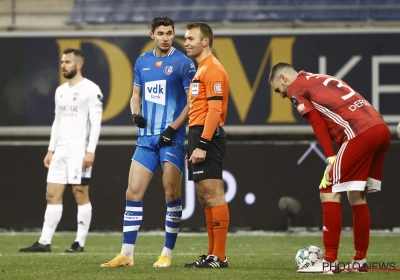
(217, 88)
(192, 66)
(144, 69)
(294, 101)
(68, 110)
(155, 91)
(158, 64)
(301, 107)
(168, 70)
(195, 89)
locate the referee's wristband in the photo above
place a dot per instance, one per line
(203, 144)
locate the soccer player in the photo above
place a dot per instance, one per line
(340, 114)
(74, 136)
(160, 110)
(207, 141)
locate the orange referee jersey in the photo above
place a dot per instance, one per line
(208, 96)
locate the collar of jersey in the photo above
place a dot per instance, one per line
(170, 53)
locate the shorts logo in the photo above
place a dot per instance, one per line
(158, 64)
(195, 89)
(168, 70)
(217, 88)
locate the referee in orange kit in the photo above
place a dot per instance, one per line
(208, 97)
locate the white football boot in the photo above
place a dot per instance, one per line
(321, 267)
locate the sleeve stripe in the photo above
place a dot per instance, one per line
(215, 98)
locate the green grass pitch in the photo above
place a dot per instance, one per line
(253, 255)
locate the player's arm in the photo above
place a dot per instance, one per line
(214, 102)
(398, 130)
(324, 138)
(95, 115)
(167, 136)
(136, 109)
(53, 135)
(321, 132)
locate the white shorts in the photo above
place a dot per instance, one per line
(65, 170)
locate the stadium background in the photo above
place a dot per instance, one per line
(272, 151)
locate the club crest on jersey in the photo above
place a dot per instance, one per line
(294, 101)
(158, 64)
(217, 87)
(195, 89)
(168, 70)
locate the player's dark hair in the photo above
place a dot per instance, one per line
(76, 52)
(205, 30)
(276, 69)
(162, 20)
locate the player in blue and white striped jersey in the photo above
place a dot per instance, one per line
(160, 109)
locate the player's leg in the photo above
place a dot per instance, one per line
(372, 146)
(172, 158)
(79, 178)
(143, 166)
(56, 184)
(212, 196)
(84, 217)
(331, 229)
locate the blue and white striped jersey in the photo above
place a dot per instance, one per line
(163, 81)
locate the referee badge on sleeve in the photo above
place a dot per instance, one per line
(195, 89)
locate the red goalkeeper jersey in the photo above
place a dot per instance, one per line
(345, 112)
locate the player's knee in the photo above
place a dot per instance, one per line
(134, 194)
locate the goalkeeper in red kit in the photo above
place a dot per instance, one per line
(339, 114)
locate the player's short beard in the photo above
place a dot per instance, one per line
(70, 75)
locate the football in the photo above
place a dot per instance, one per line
(307, 256)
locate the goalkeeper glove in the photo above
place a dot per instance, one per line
(167, 137)
(139, 121)
(325, 182)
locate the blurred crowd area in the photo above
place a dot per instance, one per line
(231, 14)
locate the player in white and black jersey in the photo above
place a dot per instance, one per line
(74, 136)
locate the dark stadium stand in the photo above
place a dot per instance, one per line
(143, 11)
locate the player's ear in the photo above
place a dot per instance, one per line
(206, 41)
(151, 35)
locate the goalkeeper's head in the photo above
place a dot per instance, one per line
(281, 76)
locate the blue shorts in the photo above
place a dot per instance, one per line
(149, 154)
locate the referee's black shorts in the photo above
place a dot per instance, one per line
(211, 168)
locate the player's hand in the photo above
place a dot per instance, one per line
(88, 160)
(325, 182)
(47, 158)
(167, 137)
(198, 156)
(139, 121)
